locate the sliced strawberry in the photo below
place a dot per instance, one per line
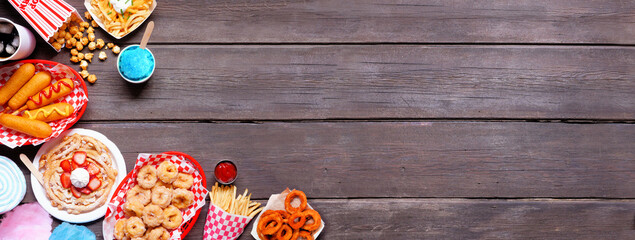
(76, 192)
(85, 190)
(66, 166)
(79, 157)
(92, 169)
(65, 179)
(73, 165)
(94, 184)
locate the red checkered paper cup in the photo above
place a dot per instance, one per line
(77, 98)
(115, 206)
(221, 225)
(45, 16)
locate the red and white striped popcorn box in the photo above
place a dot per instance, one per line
(45, 16)
(115, 206)
(77, 98)
(221, 225)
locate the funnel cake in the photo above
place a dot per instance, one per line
(78, 151)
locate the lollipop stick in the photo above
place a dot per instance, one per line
(146, 35)
(32, 168)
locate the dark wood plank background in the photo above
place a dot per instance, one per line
(400, 119)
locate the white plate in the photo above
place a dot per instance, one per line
(40, 193)
(89, 7)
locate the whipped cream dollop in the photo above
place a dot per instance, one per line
(80, 178)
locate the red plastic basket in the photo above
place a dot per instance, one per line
(185, 228)
(51, 64)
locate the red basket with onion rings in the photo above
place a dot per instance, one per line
(184, 162)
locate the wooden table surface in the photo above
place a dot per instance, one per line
(399, 119)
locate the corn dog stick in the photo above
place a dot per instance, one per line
(16, 112)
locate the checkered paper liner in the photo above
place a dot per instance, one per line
(221, 225)
(77, 98)
(115, 206)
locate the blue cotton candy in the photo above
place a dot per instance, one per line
(67, 231)
(136, 63)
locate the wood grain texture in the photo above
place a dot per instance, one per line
(462, 219)
(369, 82)
(408, 159)
(360, 21)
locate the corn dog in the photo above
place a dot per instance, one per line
(38, 82)
(56, 90)
(31, 127)
(50, 113)
(17, 80)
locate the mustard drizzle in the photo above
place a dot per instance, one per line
(32, 114)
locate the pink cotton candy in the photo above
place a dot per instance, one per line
(27, 221)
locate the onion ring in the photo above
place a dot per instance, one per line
(305, 235)
(147, 176)
(296, 234)
(285, 233)
(265, 228)
(259, 226)
(293, 194)
(264, 237)
(265, 213)
(135, 227)
(297, 225)
(284, 214)
(317, 220)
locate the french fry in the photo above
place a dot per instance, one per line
(225, 198)
(122, 23)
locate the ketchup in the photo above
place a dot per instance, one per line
(225, 172)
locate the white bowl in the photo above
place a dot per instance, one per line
(137, 81)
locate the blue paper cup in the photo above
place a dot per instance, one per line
(123, 74)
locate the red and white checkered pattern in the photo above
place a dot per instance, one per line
(77, 98)
(221, 225)
(45, 16)
(115, 206)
